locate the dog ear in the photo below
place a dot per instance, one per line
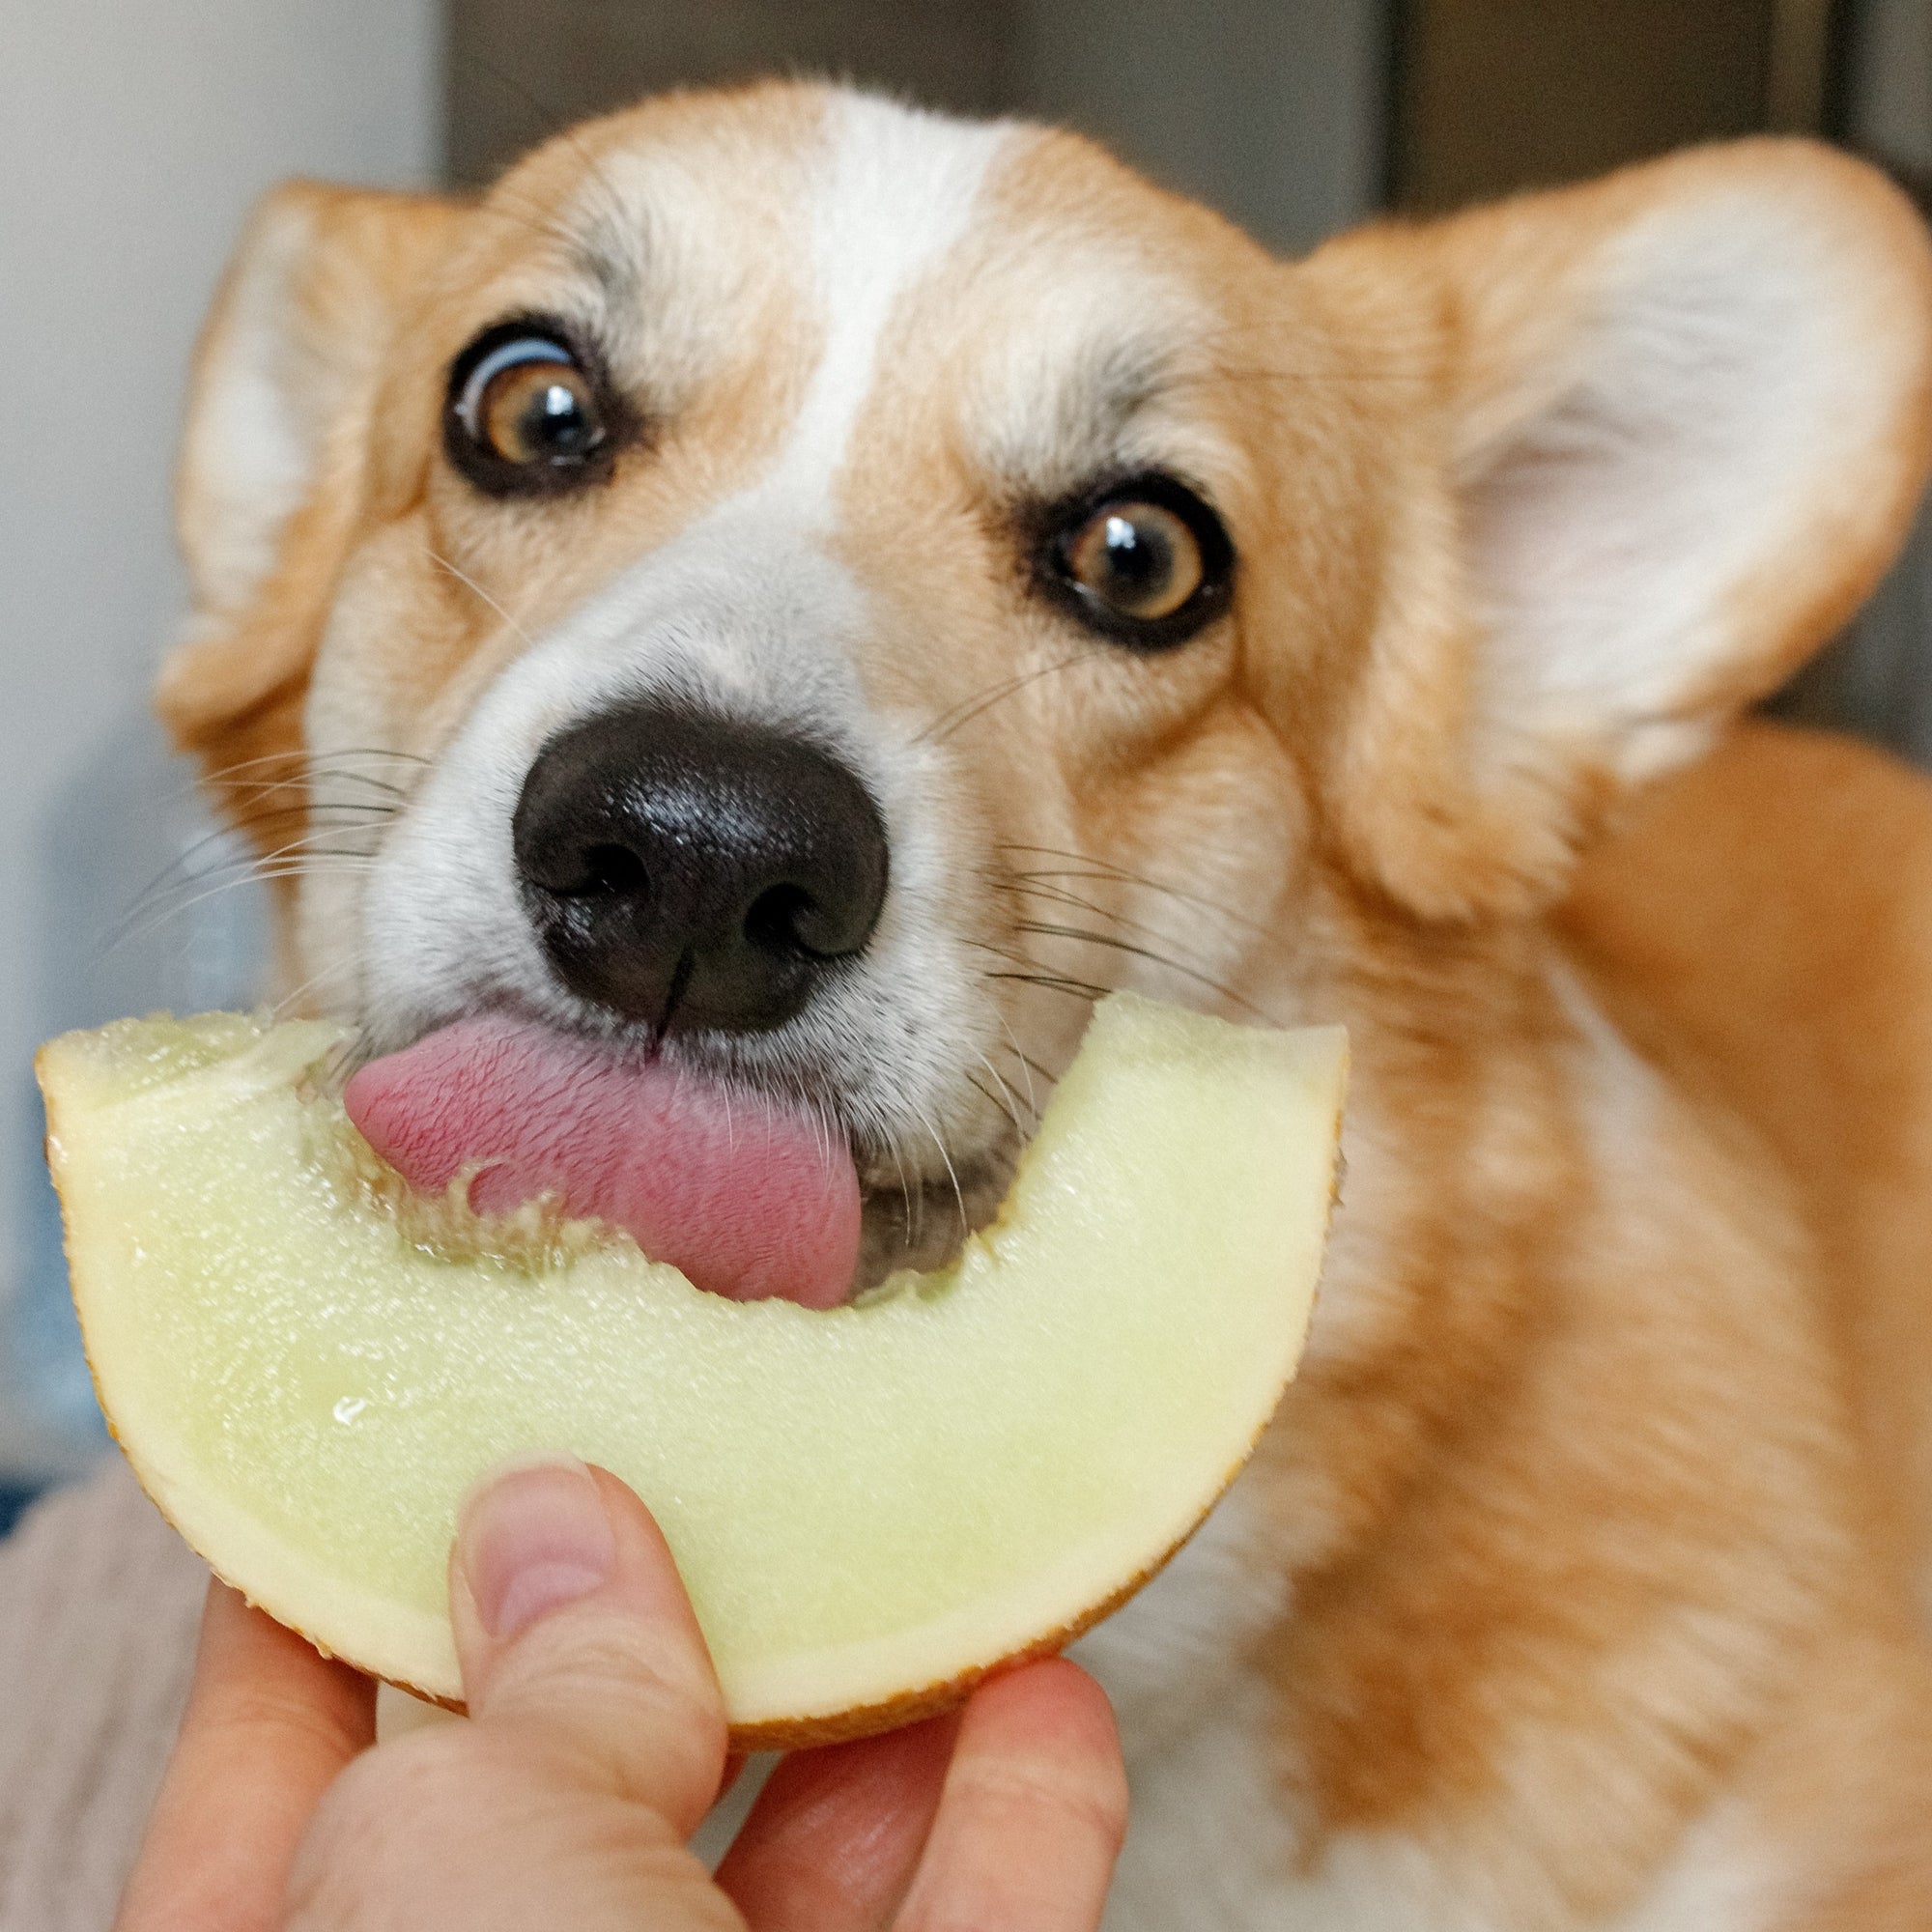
(1679, 422)
(271, 474)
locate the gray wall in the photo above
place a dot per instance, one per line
(1878, 679)
(133, 137)
(519, 72)
(1270, 108)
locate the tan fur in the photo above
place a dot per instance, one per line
(1603, 1489)
(1760, 926)
(1764, 914)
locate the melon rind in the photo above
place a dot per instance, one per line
(871, 1506)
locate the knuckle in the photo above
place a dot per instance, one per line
(378, 1813)
(250, 1718)
(395, 1825)
(596, 1695)
(1089, 1800)
(595, 1656)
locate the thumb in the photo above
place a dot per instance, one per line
(574, 1631)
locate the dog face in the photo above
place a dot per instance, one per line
(815, 591)
(824, 589)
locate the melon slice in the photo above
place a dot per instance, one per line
(871, 1505)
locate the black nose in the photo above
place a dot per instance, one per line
(690, 871)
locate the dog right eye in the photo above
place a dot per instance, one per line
(527, 413)
(1143, 560)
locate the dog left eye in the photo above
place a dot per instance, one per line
(525, 415)
(1149, 563)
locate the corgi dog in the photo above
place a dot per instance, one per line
(810, 592)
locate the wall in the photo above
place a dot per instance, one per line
(1877, 680)
(132, 138)
(518, 73)
(1272, 109)
(1890, 81)
(1499, 94)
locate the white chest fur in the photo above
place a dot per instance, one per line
(1209, 1844)
(1212, 1844)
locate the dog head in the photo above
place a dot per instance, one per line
(820, 590)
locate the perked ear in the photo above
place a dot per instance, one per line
(1681, 419)
(270, 478)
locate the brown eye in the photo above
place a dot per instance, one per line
(528, 402)
(538, 414)
(526, 416)
(1138, 558)
(1145, 561)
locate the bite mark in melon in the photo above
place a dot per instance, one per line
(871, 1505)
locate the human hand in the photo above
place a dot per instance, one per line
(596, 1743)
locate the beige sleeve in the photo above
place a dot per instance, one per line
(98, 1604)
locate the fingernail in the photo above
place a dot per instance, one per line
(533, 1538)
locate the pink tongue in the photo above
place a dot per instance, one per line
(747, 1199)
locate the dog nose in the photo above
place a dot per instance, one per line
(692, 871)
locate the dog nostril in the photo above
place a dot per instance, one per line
(695, 871)
(773, 921)
(613, 870)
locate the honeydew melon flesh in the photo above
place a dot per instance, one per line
(871, 1505)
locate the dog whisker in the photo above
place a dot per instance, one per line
(1050, 932)
(553, 124)
(914, 1197)
(221, 834)
(358, 863)
(951, 1173)
(285, 1007)
(470, 584)
(1028, 1066)
(1011, 1045)
(300, 765)
(184, 874)
(1012, 1099)
(519, 211)
(331, 1074)
(1006, 1100)
(1060, 895)
(370, 808)
(993, 1100)
(1096, 868)
(313, 789)
(1054, 983)
(951, 720)
(1013, 956)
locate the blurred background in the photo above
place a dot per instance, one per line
(133, 136)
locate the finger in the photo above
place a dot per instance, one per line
(574, 1631)
(1033, 1813)
(269, 1724)
(834, 1839)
